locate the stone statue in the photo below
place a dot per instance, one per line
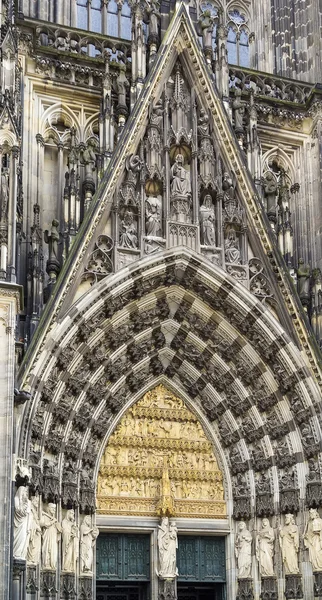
(157, 113)
(232, 252)
(206, 24)
(88, 535)
(167, 546)
(153, 216)
(312, 539)
(4, 194)
(303, 280)
(128, 235)
(243, 551)
(238, 110)
(270, 190)
(265, 549)
(89, 159)
(152, 16)
(289, 543)
(203, 123)
(34, 546)
(207, 221)
(51, 531)
(180, 184)
(52, 239)
(122, 85)
(70, 542)
(21, 523)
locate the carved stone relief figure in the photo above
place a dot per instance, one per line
(265, 549)
(207, 220)
(153, 208)
(289, 543)
(128, 235)
(51, 531)
(34, 546)
(243, 551)
(232, 252)
(21, 523)
(88, 535)
(181, 184)
(70, 542)
(167, 546)
(312, 539)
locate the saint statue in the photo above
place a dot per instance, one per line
(51, 531)
(289, 543)
(122, 85)
(207, 220)
(153, 216)
(128, 235)
(206, 24)
(34, 546)
(203, 123)
(270, 190)
(167, 546)
(88, 535)
(152, 16)
(89, 158)
(238, 109)
(4, 194)
(70, 542)
(243, 551)
(312, 539)
(303, 280)
(21, 523)
(232, 252)
(180, 184)
(265, 549)
(52, 239)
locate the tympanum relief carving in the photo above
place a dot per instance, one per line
(158, 441)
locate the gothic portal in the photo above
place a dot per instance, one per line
(160, 300)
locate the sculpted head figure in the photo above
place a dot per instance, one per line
(52, 508)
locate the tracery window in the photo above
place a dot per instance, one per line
(112, 18)
(237, 32)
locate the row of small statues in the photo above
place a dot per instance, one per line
(150, 488)
(289, 540)
(144, 427)
(148, 457)
(36, 538)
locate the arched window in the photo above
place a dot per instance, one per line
(237, 40)
(91, 15)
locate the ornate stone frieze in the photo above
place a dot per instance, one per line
(130, 474)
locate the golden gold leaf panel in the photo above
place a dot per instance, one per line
(159, 461)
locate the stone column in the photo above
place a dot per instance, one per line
(11, 300)
(19, 568)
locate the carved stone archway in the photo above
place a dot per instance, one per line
(176, 317)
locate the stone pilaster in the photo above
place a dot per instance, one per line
(10, 304)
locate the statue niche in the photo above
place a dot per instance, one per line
(159, 462)
(180, 191)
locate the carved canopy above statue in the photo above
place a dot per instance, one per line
(159, 461)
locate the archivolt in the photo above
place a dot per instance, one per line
(176, 317)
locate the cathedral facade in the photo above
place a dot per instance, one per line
(160, 300)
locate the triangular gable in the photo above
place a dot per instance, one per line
(180, 40)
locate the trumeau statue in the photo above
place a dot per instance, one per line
(207, 220)
(167, 546)
(289, 543)
(70, 543)
(34, 546)
(265, 549)
(312, 539)
(88, 535)
(243, 551)
(21, 523)
(51, 531)
(181, 184)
